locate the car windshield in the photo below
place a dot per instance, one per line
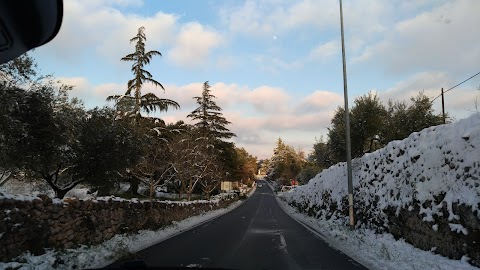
(267, 134)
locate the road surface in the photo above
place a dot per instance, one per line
(256, 235)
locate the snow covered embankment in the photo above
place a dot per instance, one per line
(424, 189)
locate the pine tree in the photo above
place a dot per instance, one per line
(211, 123)
(148, 102)
(285, 163)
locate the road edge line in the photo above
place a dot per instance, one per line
(212, 218)
(190, 227)
(318, 234)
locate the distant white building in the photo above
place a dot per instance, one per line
(228, 185)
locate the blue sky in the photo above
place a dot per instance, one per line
(275, 65)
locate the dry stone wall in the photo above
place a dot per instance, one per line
(424, 189)
(34, 223)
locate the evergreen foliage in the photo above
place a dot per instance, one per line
(285, 164)
(208, 116)
(51, 137)
(45, 134)
(133, 102)
(373, 125)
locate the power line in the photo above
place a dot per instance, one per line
(455, 86)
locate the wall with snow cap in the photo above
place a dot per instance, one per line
(32, 223)
(425, 189)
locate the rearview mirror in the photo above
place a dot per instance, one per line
(27, 24)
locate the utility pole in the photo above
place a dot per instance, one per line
(443, 108)
(347, 129)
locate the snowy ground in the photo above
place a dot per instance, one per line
(433, 168)
(437, 166)
(33, 188)
(375, 251)
(109, 251)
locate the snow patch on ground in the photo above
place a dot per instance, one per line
(431, 169)
(283, 243)
(437, 166)
(376, 251)
(458, 228)
(18, 197)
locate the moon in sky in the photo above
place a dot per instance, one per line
(274, 37)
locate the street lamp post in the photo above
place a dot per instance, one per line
(347, 129)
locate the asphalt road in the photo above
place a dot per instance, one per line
(256, 235)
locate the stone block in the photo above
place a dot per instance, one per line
(45, 198)
(68, 245)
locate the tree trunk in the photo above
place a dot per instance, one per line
(182, 189)
(133, 189)
(152, 190)
(371, 145)
(4, 177)
(59, 192)
(102, 191)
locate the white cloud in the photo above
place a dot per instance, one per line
(438, 39)
(247, 19)
(160, 30)
(95, 24)
(428, 82)
(182, 94)
(267, 18)
(325, 50)
(319, 100)
(81, 87)
(459, 102)
(274, 65)
(309, 12)
(98, 25)
(393, 36)
(91, 95)
(423, 44)
(225, 62)
(258, 115)
(315, 122)
(365, 22)
(122, 3)
(193, 45)
(279, 63)
(413, 5)
(268, 99)
(248, 129)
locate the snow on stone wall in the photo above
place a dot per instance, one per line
(32, 223)
(432, 177)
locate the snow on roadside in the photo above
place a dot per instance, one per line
(111, 250)
(438, 165)
(376, 251)
(435, 168)
(18, 197)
